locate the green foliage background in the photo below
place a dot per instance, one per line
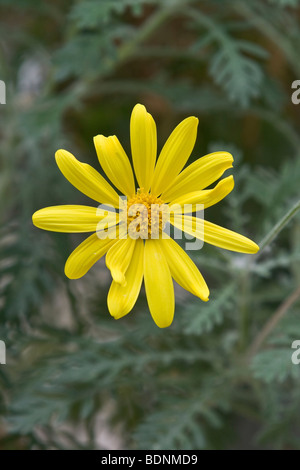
(221, 376)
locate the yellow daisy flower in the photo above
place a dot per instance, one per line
(162, 183)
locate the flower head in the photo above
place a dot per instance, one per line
(132, 232)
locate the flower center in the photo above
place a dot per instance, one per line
(145, 215)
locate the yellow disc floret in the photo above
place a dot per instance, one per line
(145, 215)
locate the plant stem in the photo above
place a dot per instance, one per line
(272, 323)
(271, 32)
(154, 22)
(278, 227)
(243, 309)
(130, 48)
(280, 124)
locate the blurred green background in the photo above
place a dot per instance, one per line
(221, 377)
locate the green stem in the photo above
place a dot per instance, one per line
(243, 309)
(272, 323)
(278, 227)
(271, 32)
(282, 125)
(151, 25)
(245, 290)
(129, 49)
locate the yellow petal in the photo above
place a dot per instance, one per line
(199, 174)
(73, 219)
(158, 284)
(86, 179)
(115, 163)
(121, 299)
(183, 269)
(174, 155)
(207, 197)
(143, 145)
(86, 255)
(214, 234)
(118, 259)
